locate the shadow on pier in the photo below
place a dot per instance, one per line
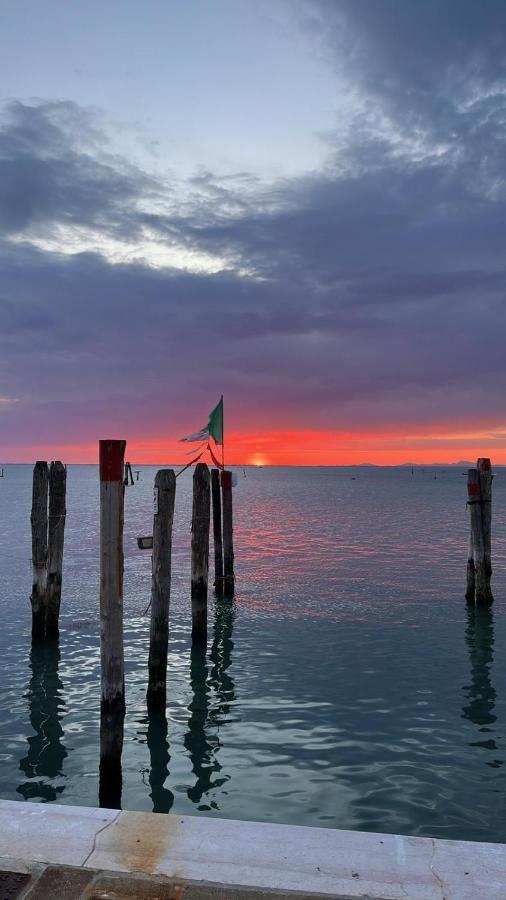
(480, 693)
(46, 750)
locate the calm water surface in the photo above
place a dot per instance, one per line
(348, 686)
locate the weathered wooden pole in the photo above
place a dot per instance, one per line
(165, 492)
(228, 539)
(111, 574)
(200, 551)
(112, 711)
(56, 534)
(482, 593)
(38, 521)
(218, 541)
(485, 469)
(470, 579)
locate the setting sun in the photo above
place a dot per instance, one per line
(258, 459)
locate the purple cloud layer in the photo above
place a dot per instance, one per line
(369, 295)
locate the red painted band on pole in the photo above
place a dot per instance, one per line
(473, 490)
(226, 480)
(111, 455)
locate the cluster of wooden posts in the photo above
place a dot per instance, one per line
(479, 564)
(211, 490)
(205, 486)
(111, 587)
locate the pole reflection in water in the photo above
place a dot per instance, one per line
(159, 756)
(221, 657)
(46, 751)
(202, 743)
(111, 746)
(481, 693)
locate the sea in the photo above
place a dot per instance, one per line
(347, 685)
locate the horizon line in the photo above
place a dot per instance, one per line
(363, 465)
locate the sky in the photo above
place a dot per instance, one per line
(298, 204)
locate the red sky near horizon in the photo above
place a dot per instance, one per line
(309, 447)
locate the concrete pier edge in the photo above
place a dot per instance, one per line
(196, 857)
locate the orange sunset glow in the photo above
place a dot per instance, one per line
(296, 448)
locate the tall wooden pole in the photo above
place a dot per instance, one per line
(112, 453)
(200, 551)
(482, 592)
(39, 549)
(112, 710)
(485, 469)
(165, 492)
(218, 542)
(228, 539)
(56, 534)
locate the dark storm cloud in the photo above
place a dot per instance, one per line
(373, 293)
(422, 59)
(54, 169)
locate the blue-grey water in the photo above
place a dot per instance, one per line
(347, 686)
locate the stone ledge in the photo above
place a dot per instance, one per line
(233, 855)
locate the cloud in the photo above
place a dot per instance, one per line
(368, 295)
(427, 81)
(421, 60)
(54, 169)
(63, 191)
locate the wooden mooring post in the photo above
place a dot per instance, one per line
(48, 531)
(112, 708)
(164, 497)
(56, 535)
(112, 453)
(228, 538)
(38, 521)
(200, 551)
(485, 469)
(479, 568)
(217, 535)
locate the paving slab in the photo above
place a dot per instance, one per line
(60, 883)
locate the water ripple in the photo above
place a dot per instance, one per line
(347, 686)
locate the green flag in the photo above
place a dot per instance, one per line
(216, 423)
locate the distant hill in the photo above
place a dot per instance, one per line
(461, 462)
